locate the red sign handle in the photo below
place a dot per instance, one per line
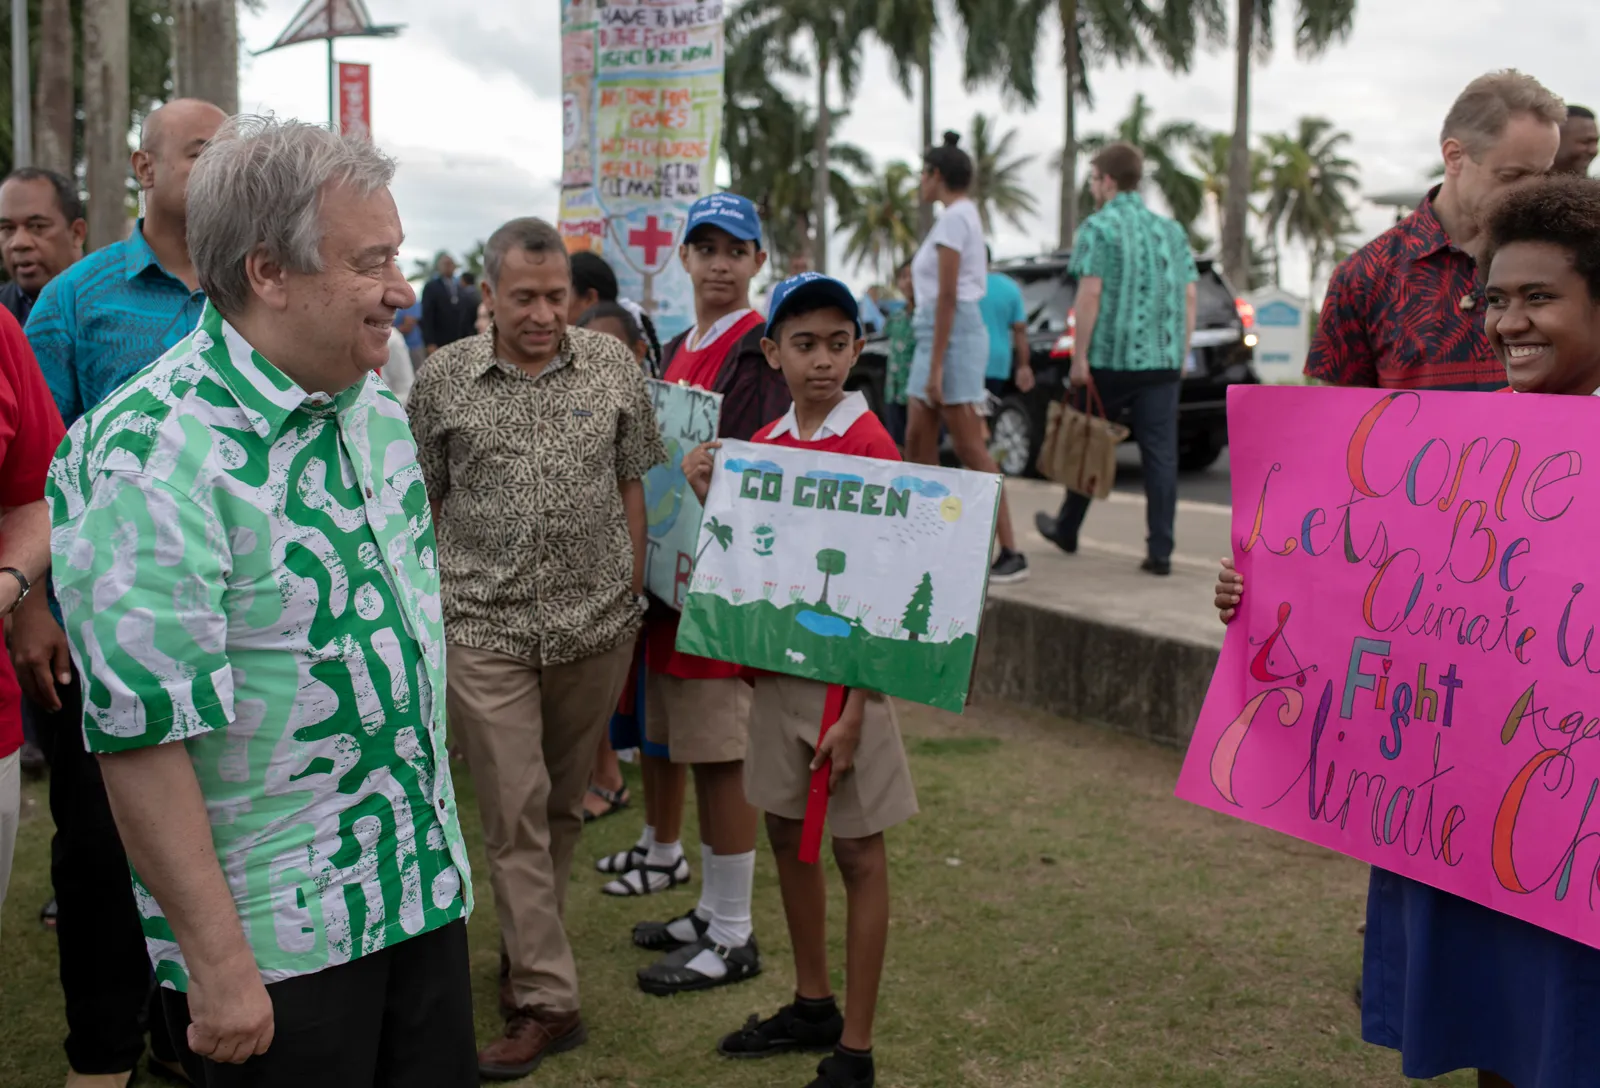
(817, 799)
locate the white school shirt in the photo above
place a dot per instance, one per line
(714, 333)
(839, 421)
(960, 229)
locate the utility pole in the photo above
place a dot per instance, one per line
(21, 107)
(106, 118)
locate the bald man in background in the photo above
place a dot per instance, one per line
(93, 327)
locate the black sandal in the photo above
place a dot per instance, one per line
(637, 881)
(785, 1032)
(47, 914)
(672, 974)
(622, 861)
(656, 937)
(616, 801)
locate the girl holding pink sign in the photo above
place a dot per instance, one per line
(1447, 982)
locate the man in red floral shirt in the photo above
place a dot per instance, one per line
(1405, 312)
(30, 431)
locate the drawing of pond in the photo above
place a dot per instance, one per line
(826, 626)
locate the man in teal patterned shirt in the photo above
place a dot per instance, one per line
(245, 560)
(1135, 313)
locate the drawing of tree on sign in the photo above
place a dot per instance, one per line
(722, 534)
(915, 620)
(830, 562)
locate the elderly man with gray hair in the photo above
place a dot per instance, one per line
(245, 561)
(534, 439)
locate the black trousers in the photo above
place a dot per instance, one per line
(1153, 400)
(400, 1017)
(105, 967)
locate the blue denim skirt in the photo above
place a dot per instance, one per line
(965, 360)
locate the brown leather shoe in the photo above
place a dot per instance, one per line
(531, 1036)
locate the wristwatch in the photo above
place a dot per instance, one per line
(22, 580)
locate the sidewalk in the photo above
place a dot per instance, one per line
(1090, 636)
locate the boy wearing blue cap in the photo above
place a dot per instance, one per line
(813, 337)
(700, 709)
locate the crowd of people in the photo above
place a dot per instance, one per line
(255, 594)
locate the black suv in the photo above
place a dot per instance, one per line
(1223, 354)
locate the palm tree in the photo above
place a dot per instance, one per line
(997, 184)
(205, 56)
(770, 142)
(1162, 146)
(882, 224)
(1311, 188)
(54, 109)
(834, 31)
(722, 534)
(1318, 24)
(1092, 32)
(908, 29)
(107, 118)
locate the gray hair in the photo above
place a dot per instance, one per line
(533, 235)
(258, 185)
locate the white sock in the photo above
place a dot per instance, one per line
(663, 854)
(730, 878)
(681, 929)
(647, 838)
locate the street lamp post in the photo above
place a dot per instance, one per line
(21, 104)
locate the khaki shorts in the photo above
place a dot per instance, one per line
(699, 721)
(875, 794)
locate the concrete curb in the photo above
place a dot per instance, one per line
(1074, 666)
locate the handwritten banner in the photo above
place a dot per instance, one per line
(687, 417)
(1411, 679)
(641, 125)
(849, 570)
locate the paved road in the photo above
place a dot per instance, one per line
(1116, 527)
(1208, 486)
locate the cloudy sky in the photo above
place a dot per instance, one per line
(468, 98)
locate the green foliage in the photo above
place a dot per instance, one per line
(880, 226)
(998, 186)
(919, 608)
(1311, 188)
(1163, 146)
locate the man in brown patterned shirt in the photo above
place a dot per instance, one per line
(534, 440)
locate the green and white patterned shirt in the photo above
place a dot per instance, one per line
(251, 571)
(1143, 262)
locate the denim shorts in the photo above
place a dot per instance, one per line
(965, 360)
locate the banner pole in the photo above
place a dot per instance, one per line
(333, 73)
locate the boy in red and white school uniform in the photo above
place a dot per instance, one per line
(813, 336)
(699, 709)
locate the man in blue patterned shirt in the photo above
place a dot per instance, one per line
(96, 325)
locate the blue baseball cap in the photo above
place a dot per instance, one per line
(726, 211)
(815, 288)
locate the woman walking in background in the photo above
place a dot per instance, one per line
(949, 276)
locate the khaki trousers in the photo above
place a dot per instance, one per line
(531, 735)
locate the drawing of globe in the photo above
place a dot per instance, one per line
(662, 501)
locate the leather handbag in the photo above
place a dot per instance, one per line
(1080, 445)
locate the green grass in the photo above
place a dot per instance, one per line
(1060, 920)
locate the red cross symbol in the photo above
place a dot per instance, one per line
(650, 239)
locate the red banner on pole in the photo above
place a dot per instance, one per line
(355, 100)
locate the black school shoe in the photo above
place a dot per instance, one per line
(656, 937)
(671, 974)
(836, 1072)
(785, 1032)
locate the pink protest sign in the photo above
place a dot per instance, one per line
(1412, 676)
